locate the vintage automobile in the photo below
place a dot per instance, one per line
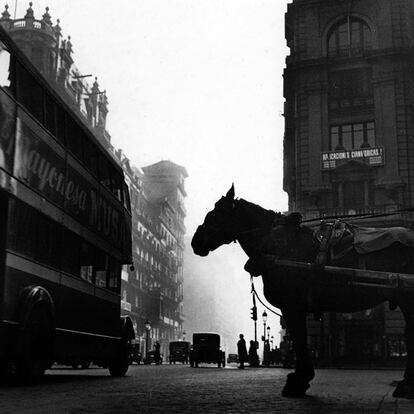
(206, 349)
(135, 355)
(232, 358)
(151, 358)
(179, 352)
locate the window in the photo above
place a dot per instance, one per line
(87, 258)
(50, 114)
(29, 92)
(104, 172)
(48, 242)
(91, 156)
(101, 268)
(350, 88)
(6, 73)
(350, 36)
(22, 228)
(114, 275)
(71, 253)
(117, 185)
(352, 136)
(74, 138)
(60, 124)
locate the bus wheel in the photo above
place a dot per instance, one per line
(36, 347)
(119, 367)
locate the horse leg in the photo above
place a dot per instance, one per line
(405, 389)
(298, 381)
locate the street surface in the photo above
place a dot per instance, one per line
(208, 389)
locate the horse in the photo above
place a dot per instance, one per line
(265, 235)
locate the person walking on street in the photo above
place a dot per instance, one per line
(157, 353)
(253, 357)
(242, 351)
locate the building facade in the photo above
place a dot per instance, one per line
(152, 288)
(349, 140)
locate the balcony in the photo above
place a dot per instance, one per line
(381, 215)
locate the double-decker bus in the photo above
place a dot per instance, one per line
(65, 231)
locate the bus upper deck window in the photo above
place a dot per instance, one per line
(117, 185)
(100, 268)
(127, 202)
(5, 68)
(104, 173)
(114, 275)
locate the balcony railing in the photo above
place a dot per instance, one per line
(394, 210)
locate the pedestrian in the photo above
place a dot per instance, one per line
(157, 354)
(253, 357)
(242, 351)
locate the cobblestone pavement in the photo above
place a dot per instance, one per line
(208, 389)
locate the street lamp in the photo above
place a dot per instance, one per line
(271, 341)
(268, 333)
(264, 316)
(147, 337)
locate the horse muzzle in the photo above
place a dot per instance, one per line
(197, 244)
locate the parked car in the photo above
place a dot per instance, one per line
(206, 349)
(179, 352)
(135, 355)
(150, 358)
(233, 358)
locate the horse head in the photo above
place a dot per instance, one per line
(217, 228)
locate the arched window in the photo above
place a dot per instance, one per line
(350, 36)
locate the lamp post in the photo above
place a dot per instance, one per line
(147, 337)
(264, 316)
(271, 341)
(268, 333)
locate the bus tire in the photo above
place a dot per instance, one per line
(36, 347)
(119, 367)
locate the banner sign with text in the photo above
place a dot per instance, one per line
(373, 156)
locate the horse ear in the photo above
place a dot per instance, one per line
(295, 219)
(230, 193)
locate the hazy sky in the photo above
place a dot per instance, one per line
(198, 82)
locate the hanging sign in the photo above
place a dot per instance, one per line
(373, 156)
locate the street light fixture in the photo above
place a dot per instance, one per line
(268, 333)
(147, 337)
(271, 341)
(264, 316)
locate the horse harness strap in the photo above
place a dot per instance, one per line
(335, 241)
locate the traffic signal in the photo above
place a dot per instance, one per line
(254, 313)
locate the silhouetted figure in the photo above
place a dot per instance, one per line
(242, 351)
(157, 354)
(266, 353)
(253, 357)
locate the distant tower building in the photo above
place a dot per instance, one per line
(152, 292)
(164, 184)
(349, 139)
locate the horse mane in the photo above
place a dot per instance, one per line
(257, 212)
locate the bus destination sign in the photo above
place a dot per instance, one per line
(373, 156)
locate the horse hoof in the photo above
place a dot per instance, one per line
(295, 387)
(404, 389)
(294, 393)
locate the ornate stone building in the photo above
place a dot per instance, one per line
(153, 289)
(349, 140)
(43, 44)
